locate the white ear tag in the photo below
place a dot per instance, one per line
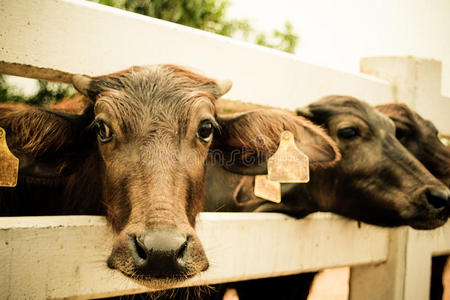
(9, 164)
(288, 164)
(266, 189)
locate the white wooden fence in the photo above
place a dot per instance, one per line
(64, 257)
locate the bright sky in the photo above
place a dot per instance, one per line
(337, 33)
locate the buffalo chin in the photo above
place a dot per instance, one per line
(159, 283)
(427, 224)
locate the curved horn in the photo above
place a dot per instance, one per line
(81, 83)
(223, 86)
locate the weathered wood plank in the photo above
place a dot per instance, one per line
(416, 82)
(406, 273)
(84, 37)
(384, 281)
(437, 240)
(58, 257)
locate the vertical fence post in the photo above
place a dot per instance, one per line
(384, 281)
(416, 82)
(418, 265)
(406, 273)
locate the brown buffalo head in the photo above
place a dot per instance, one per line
(420, 137)
(377, 180)
(154, 128)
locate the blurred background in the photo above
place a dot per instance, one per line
(331, 33)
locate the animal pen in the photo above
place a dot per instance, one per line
(64, 256)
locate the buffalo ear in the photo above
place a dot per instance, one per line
(399, 113)
(48, 143)
(247, 140)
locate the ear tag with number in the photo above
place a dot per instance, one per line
(9, 164)
(288, 164)
(266, 189)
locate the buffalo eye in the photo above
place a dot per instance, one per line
(205, 130)
(348, 133)
(104, 133)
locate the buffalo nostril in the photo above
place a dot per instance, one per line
(141, 251)
(438, 198)
(161, 253)
(182, 250)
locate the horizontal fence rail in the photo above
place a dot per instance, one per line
(59, 257)
(406, 273)
(65, 256)
(84, 37)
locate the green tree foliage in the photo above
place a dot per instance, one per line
(283, 40)
(47, 93)
(9, 93)
(209, 15)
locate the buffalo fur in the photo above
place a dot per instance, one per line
(421, 138)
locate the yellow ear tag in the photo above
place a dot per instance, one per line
(9, 164)
(288, 164)
(266, 189)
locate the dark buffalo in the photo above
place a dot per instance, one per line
(137, 155)
(420, 137)
(377, 181)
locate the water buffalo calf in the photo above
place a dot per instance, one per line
(377, 180)
(420, 137)
(137, 154)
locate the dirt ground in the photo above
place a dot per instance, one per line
(332, 284)
(446, 281)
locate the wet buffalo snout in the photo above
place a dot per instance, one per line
(438, 198)
(162, 253)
